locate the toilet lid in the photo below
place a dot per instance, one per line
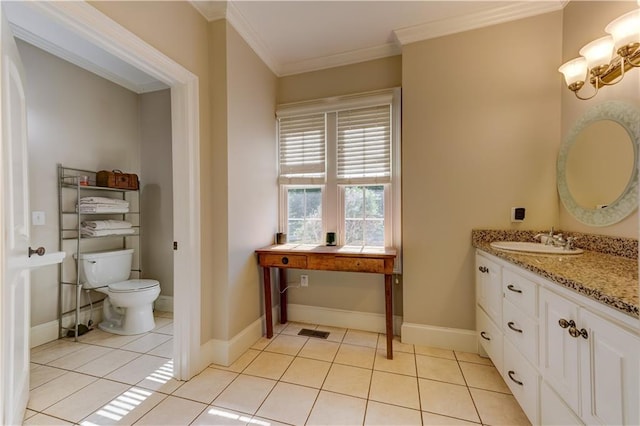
(132, 285)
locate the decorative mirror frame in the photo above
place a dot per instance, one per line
(628, 117)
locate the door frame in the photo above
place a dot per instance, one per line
(97, 28)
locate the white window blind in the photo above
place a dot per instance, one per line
(302, 147)
(364, 145)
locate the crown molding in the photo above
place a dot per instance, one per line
(211, 10)
(340, 59)
(251, 37)
(485, 18)
(214, 10)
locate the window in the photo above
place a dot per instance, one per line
(364, 215)
(304, 215)
(339, 170)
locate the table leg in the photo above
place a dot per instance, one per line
(267, 301)
(388, 299)
(282, 273)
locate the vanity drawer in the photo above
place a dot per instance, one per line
(284, 260)
(520, 291)
(522, 379)
(490, 337)
(359, 264)
(521, 329)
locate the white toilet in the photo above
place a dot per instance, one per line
(128, 309)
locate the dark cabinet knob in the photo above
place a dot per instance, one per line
(513, 289)
(511, 325)
(511, 373)
(565, 324)
(285, 260)
(575, 333)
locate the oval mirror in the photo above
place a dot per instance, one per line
(597, 165)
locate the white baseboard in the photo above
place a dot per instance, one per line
(43, 333)
(163, 303)
(365, 321)
(440, 337)
(225, 352)
(48, 332)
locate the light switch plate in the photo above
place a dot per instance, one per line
(37, 218)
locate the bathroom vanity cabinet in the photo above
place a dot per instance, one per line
(566, 358)
(72, 185)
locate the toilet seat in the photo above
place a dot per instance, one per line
(132, 286)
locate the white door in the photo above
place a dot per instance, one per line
(14, 214)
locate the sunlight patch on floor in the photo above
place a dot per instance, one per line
(123, 404)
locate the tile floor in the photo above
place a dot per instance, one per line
(287, 380)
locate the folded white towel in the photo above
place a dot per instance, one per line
(103, 208)
(90, 232)
(102, 200)
(106, 224)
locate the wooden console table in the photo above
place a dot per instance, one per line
(326, 258)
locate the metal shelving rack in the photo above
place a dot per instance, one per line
(70, 185)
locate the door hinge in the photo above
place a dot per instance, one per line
(175, 245)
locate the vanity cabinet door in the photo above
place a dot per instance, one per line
(489, 287)
(610, 364)
(553, 409)
(558, 350)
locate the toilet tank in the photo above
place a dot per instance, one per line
(99, 269)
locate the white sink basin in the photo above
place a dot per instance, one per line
(532, 247)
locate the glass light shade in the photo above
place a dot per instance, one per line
(574, 70)
(598, 52)
(625, 29)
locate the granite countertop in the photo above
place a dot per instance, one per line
(611, 279)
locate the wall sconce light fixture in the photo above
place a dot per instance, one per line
(598, 62)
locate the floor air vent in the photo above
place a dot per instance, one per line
(313, 333)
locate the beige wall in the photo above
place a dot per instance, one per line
(356, 78)
(583, 22)
(79, 120)
(245, 208)
(212, 51)
(156, 189)
(252, 199)
(179, 31)
(481, 121)
(339, 290)
(216, 314)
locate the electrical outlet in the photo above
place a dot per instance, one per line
(304, 280)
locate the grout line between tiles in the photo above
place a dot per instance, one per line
(475, 406)
(242, 372)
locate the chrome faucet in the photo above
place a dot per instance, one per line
(550, 237)
(557, 240)
(566, 243)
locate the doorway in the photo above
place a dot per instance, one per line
(93, 27)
